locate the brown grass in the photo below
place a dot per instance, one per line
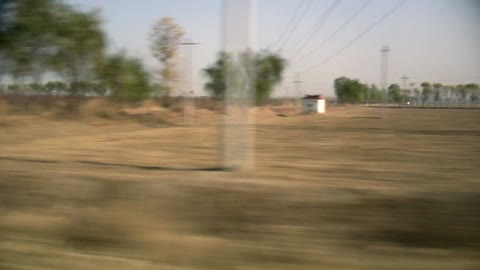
(355, 188)
(4, 107)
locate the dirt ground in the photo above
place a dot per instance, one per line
(355, 188)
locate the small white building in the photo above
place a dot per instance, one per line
(314, 103)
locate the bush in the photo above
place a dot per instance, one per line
(126, 78)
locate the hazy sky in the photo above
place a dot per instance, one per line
(430, 40)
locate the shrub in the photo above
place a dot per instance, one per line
(126, 78)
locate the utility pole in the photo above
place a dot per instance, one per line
(384, 76)
(297, 82)
(404, 78)
(188, 103)
(412, 88)
(239, 26)
(412, 85)
(384, 69)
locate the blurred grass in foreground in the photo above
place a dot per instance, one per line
(386, 193)
(210, 227)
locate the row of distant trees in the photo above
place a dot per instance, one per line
(51, 37)
(55, 88)
(436, 93)
(353, 91)
(40, 37)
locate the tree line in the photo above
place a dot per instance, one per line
(353, 91)
(51, 38)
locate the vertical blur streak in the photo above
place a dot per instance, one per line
(188, 93)
(238, 43)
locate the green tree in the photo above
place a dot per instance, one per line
(30, 38)
(461, 93)
(417, 94)
(395, 93)
(126, 78)
(98, 89)
(350, 90)
(426, 91)
(474, 91)
(56, 87)
(40, 36)
(36, 88)
(49, 88)
(437, 97)
(406, 95)
(268, 71)
(165, 37)
(80, 44)
(6, 25)
(216, 75)
(446, 93)
(7, 14)
(79, 88)
(374, 94)
(14, 88)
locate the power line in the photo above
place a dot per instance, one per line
(289, 24)
(319, 24)
(188, 92)
(347, 22)
(296, 24)
(369, 29)
(384, 67)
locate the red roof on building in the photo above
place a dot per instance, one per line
(313, 97)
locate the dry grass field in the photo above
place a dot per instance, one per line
(355, 188)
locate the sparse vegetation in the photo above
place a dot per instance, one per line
(268, 69)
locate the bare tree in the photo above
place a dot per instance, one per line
(165, 37)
